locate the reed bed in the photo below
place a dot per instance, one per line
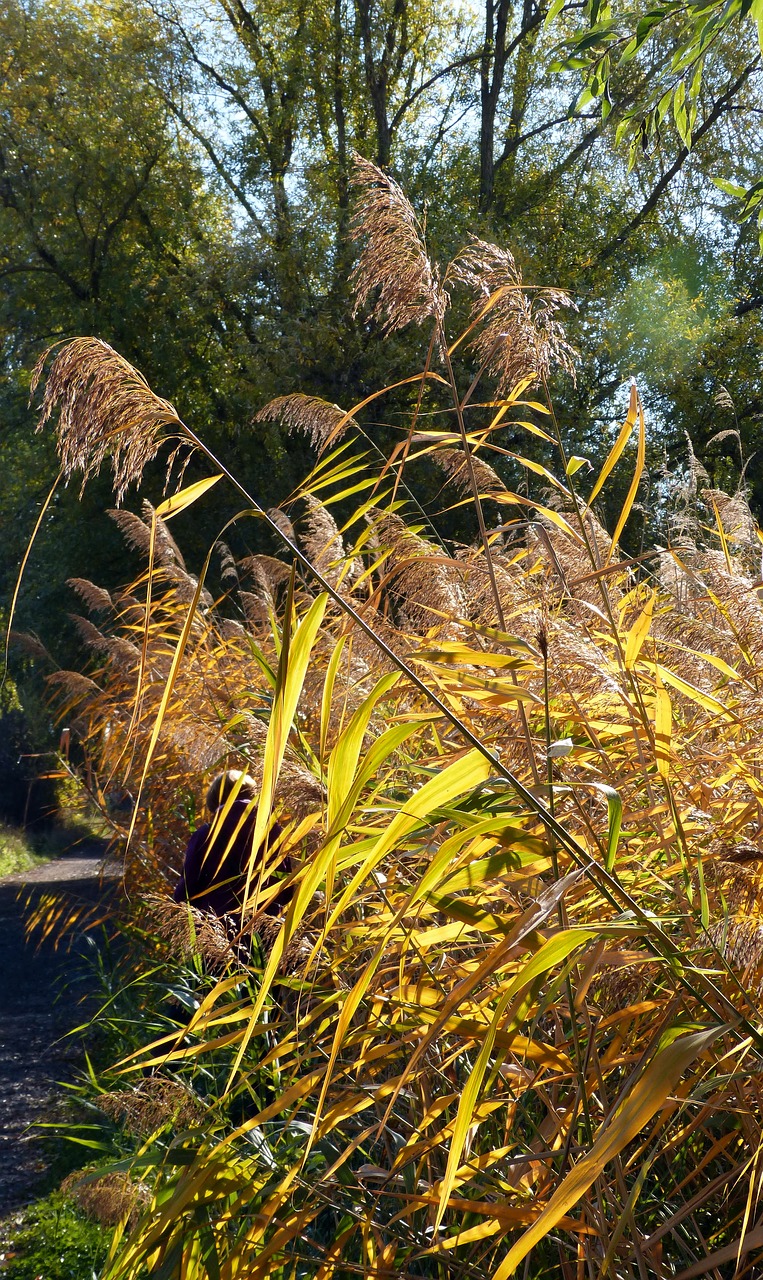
(510, 1023)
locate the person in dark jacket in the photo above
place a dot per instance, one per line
(218, 853)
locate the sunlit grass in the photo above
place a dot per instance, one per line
(510, 1022)
(17, 852)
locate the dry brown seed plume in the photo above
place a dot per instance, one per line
(106, 409)
(152, 1103)
(282, 523)
(108, 1199)
(97, 599)
(318, 419)
(393, 262)
(519, 335)
(453, 463)
(321, 540)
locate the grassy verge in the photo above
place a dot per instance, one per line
(23, 849)
(52, 1238)
(17, 852)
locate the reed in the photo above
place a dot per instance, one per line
(510, 1023)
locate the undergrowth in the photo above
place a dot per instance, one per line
(510, 1022)
(52, 1239)
(16, 852)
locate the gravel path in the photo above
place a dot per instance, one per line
(41, 998)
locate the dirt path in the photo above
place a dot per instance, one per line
(41, 998)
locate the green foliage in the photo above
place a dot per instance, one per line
(16, 853)
(52, 1239)
(690, 85)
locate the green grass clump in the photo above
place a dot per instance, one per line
(52, 1238)
(17, 852)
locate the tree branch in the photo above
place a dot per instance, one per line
(720, 107)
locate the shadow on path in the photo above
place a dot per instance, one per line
(43, 994)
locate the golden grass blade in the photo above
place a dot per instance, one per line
(428, 376)
(722, 536)
(168, 690)
(465, 1114)
(638, 633)
(635, 482)
(295, 657)
(707, 701)
(465, 773)
(343, 764)
(550, 954)
(556, 518)
(491, 963)
(186, 497)
(663, 727)
(23, 565)
(328, 694)
(643, 1100)
(343, 761)
(618, 447)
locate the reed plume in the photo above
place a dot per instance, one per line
(153, 1102)
(106, 409)
(322, 541)
(518, 335)
(96, 599)
(318, 419)
(136, 534)
(453, 463)
(393, 263)
(108, 1199)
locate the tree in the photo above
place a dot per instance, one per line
(683, 46)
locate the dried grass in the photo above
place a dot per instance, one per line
(518, 335)
(454, 464)
(109, 1199)
(105, 408)
(317, 419)
(393, 264)
(152, 1104)
(321, 541)
(96, 599)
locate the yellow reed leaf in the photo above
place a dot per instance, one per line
(328, 693)
(501, 1221)
(451, 653)
(344, 758)
(637, 474)
(465, 1114)
(532, 428)
(466, 772)
(555, 517)
(461, 776)
(722, 537)
(643, 1100)
(663, 727)
(292, 668)
(617, 449)
(705, 700)
(638, 633)
(186, 497)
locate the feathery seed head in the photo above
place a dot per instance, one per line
(518, 335)
(319, 419)
(282, 523)
(150, 1104)
(108, 1199)
(393, 262)
(97, 599)
(105, 409)
(453, 463)
(321, 540)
